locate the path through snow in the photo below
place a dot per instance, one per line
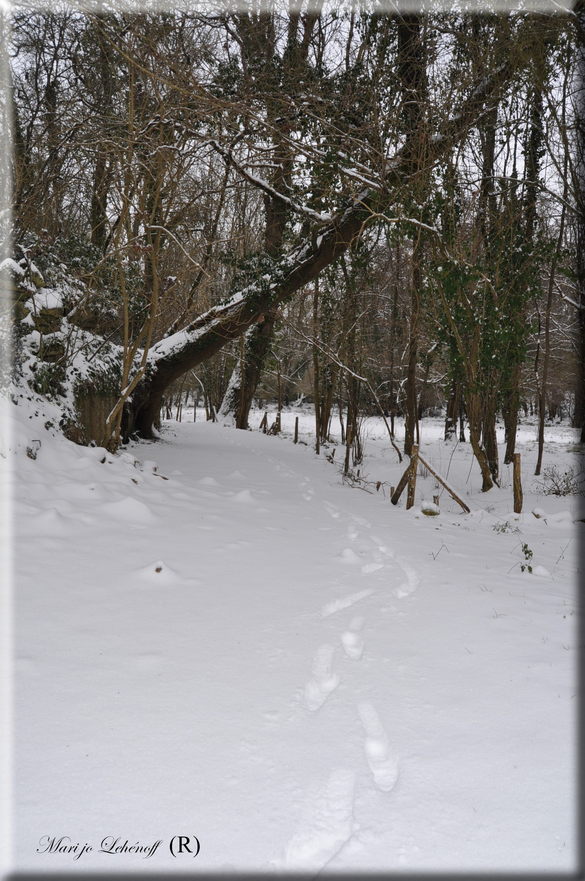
(236, 646)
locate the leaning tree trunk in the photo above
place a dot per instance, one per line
(174, 355)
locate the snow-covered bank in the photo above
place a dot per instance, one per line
(292, 670)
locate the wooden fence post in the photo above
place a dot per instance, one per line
(296, 429)
(517, 484)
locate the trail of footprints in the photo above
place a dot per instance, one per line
(327, 823)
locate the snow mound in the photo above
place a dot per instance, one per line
(349, 556)
(244, 497)
(159, 573)
(128, 510)
(49, 523)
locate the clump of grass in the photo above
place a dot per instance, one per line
(506, 526)
(562, 483)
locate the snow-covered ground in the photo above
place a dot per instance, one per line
(238, 648)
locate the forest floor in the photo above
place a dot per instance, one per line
(239, 648)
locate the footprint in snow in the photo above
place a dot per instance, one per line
(344, 602)
(236, 545)
(412, 576)
(362, 521)
(348, 555)
(383, 763)
(352, 639)
(325, 826)
(371, 567)
(323, 682)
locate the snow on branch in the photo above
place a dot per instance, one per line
(269, 190)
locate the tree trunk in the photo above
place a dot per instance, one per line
(579, 417)
(474, 419)
(510, 409)
(101, 175)
(238, 398)
(452, 411)
(490, 441)
(412, 71)
(411, 421)
(547, 319)
(316, 401)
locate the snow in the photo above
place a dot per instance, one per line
(47, 298)
(10, 265)
(240, 647)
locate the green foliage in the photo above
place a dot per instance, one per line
(504, 527)
(48, 380)
(528, 555)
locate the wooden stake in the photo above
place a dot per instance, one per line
(396, 493)
(405, 481)
(296, 429)
(412, 477)
(517, 484)
(442, 482)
